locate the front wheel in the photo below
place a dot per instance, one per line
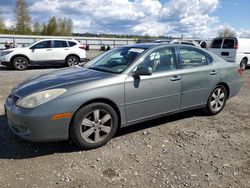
(93, 125)
(72, 61)
(20, 63)
(216, 101)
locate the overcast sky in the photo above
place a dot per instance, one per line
(197, 18)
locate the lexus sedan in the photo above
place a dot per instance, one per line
(121, 87)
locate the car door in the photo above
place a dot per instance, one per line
(199, 76)
(60, 50)
(215, 46)
(156, 94)
(228, 51)
(41, 51)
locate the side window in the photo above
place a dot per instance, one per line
(71, 43)
(191, 57)
(44, 44)
(228, 44)
(162, 59)
(216, 43)
(60, 44)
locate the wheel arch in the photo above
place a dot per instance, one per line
(72, 55)
(20, 55)
(101, 100)
(226, 87)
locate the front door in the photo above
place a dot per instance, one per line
(156, 94)
(41, 51)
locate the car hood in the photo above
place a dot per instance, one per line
(55, 79)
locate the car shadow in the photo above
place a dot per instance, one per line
(7, 68)
(12, 147)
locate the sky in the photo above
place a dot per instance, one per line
(190, 18)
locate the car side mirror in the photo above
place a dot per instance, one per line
(143, 70)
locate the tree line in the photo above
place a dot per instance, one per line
(23, 23)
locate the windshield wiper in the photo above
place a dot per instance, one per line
(102, 70)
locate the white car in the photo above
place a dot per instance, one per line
(185, 42)
(232, 49)
(47, 51)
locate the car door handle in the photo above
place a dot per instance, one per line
(66, 49)
(213, 72)
(49, 49)
(175, 78)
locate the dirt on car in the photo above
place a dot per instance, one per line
(184, 150)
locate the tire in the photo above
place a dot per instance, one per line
(216, 100)
(20, 63)
(243, 64)
(93, 125)
(72, 61)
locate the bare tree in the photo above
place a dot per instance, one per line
(226, 32)
(2, 24)
(22, 17)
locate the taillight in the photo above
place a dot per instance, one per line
(82, 47)
(240, 71)
(236, 45)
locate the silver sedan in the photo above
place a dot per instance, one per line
(121, 87)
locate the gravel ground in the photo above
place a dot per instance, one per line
(184, 150)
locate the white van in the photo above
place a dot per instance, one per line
(232, 49)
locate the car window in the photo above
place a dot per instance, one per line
(115, 61)
(71, 43)
(216, 43)
(43, 44)
(162, 59)
(228, 44)
(191, 57)
(60, 44)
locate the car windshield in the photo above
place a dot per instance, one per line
(116, 60)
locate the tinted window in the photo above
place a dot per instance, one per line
(60, 44)
(216, 43)
(44, 44)
(71, 43)
(192, 57)
(228, 43)
(162, 59)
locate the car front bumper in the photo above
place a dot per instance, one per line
(35, 124)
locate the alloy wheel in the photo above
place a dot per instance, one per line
(218, 99)
(96, 126)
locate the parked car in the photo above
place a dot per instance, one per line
(232, 49)
(121, 87)
(185, 42)
(48, 51)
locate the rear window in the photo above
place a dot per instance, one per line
(71, 43)
(60, 44)
(228, 43)
(216, 43)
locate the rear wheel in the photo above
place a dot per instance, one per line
(20, 63)
(216, 101)
(72, 61)
(243, 64)
(94, 125)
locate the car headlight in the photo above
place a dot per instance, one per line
(39, 98)
(3, 53)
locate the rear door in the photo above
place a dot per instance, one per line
(199, 76)
(228, 51)
(225, 48)
(60, 50)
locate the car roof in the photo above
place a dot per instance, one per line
(146, 45)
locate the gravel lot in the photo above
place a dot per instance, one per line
(184, 150)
